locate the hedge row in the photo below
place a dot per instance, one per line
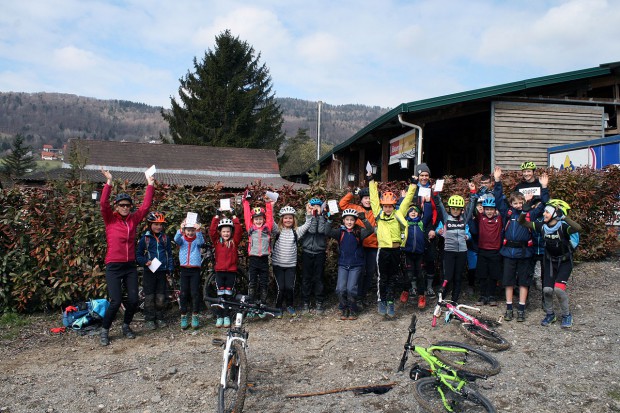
(52, 239)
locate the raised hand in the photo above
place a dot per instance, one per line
(544, 180)
(497, 173)
(150, 180)
(472, 186)
(107, 174)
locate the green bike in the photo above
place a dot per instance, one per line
(446, 385)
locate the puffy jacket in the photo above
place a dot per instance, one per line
(259, 238)
(416, 238)
(347, 202)
(456, 230)
(152, 246)
(226, 253)
(314, 240)
(121, 232)
(189, 253)
(350, 243)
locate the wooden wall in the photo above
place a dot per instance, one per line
(523, 131)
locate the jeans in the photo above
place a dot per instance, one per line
(346, 287)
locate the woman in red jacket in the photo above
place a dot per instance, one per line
(120, 259)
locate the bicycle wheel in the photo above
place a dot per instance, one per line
(471, 361)
(232, 396)
(485, 337)
(427, 392)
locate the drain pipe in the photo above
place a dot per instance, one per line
(340, 170)
(411, 125)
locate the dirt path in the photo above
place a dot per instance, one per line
(546, 370)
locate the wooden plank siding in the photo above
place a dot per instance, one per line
(523, 131)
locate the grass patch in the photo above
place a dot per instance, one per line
(11, 324)
(614, 394)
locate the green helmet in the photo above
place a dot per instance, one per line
(456, 201)
(558, 204)
(528, 165)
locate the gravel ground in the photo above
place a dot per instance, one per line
(546, 370)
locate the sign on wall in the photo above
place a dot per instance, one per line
(403, 146)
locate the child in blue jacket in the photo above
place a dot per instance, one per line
(190, 240)
(154, 243)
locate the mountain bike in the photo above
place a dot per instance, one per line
(446, 387)
(480, 328)
(233, 379)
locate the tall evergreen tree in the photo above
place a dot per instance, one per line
(227, 100)
(19, 161)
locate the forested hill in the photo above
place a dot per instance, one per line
(53, 118)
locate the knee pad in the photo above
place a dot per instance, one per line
(160, 300)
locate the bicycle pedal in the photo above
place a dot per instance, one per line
(218, 342)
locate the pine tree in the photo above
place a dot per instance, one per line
(20, 161)
(227, 100)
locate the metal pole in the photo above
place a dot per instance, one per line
(318, 134)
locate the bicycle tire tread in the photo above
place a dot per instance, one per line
(481, 336)
(426, 394)
(492, 365)
(237, 406)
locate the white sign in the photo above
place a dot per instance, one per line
(155, 264)
(191, 219)
(272, 195)
(439, 185)
(333, 206)
(150, 172)
(368, 167)
(225, 204)
(534, 191)
(424, 192)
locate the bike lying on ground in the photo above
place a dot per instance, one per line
(233, 380)
(480, 329)
(445, 385)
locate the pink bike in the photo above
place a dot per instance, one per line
(478, 328)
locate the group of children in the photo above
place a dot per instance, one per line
(492, 232)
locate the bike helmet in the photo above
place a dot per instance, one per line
(456, 201)
(528, 165)
(560, 206)
(364, 192)
(350, 212)
(225, 222)
(315, 201)
(488, 202)
(156, 217)
(388, 198)
(258, 212)
(287, 210)
(123, 197)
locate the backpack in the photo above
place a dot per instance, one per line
(574, 241)
(84, 314)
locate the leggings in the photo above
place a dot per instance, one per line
(453, 267)
(190, 286)
(118, 274)
(285, 280)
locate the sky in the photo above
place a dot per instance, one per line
(372, 52)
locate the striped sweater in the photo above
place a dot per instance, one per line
(284, 252)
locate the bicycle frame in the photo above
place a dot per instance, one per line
(455, 310)
(235, 333)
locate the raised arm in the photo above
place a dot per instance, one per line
(374, 197)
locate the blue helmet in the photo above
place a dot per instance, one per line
(316, 201)
(488, 202)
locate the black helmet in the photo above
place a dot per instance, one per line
(364, 192)
(122, 197)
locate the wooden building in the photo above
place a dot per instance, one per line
(467, 133)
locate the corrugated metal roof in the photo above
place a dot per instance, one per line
(425, 104)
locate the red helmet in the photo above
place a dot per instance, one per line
(258, 212)
(388, 198)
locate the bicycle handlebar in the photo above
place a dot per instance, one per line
(414, 320)
(242, 305)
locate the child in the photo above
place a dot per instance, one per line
(259, 225)
(455, 232)
(517, 244)
(390, 227)
(556, 228)
(313, 255)
(414, 252)
(350, 261)
(284, 254)
(190, 240)
(225, 236)
(155, 244)
(489, 261)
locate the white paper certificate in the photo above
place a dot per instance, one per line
(155, 264)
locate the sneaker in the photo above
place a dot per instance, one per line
(549, 318)
(430, 292)
(195, 321)
(150, 325)
(262, 315)
(291, 311)
(413, 292)
(567, 321)
(352, 315)
(306, 309)
(279, 314)
(184, 323)
(390, 310)
(492, 302)
(226, 322)
(219, 322)
(520, 316)
(481, 301)
(382, 308)
(404, 296)
(104, 337)
(344, 314)
(320, 310)
(127, 331)
(509, 315)
(161, 323)
(421, 302)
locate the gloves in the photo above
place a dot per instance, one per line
(413, 180)
(361, 215)
(357, 191)
(526, 207)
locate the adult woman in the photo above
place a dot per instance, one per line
(120, 259)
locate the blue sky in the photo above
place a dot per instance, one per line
(369, 52)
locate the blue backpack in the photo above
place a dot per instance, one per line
(85, 314)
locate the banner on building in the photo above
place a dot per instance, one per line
(403, 146)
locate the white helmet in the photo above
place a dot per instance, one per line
(349, 212)
(225, 222)
(287, 210)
